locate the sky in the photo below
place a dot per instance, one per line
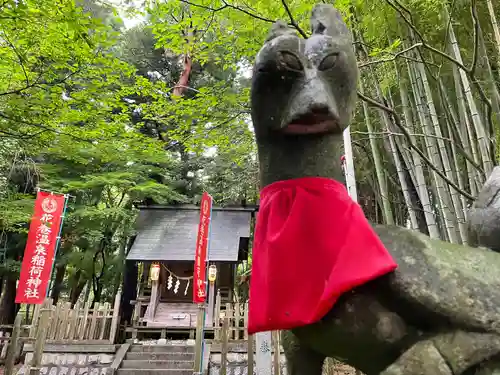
(129, 22)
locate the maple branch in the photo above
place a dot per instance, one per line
(39, 84)
(227, 5)
(292, 20)
(396, 55)
(44, 128)
(19, 57)
(190, 135)
(230, 6)
(21, 136)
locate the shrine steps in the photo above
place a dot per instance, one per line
(158, 360)
(158, 364)
(168, 348)
(159, 356)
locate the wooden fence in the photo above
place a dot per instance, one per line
(59, 324)
(81, 323)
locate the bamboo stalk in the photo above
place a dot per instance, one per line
(379, 172)
(448, 204)
(465, 136)
(421, 185)
(429, 141)
(402, 180)
(479, 128)
(496, 29)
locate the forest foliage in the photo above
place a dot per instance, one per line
(100, 111)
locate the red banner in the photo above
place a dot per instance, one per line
(38, 256)
(200, 262)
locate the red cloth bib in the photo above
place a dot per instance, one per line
(312, 243)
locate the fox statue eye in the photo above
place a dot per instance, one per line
(328, 62)
(289, 61)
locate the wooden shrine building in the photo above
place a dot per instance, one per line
(166, 237)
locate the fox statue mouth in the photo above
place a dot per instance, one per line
(313, 122)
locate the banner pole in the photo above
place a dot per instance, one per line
(55, 192)
(58, 241)
(350, 177)
(206, 288)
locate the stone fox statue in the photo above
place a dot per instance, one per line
(438, 313)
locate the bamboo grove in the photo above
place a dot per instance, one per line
(439, 133)
(440, 139)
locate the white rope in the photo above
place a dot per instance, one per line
(187, 278)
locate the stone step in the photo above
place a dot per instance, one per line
(140, 371)
(155, 364)
(172, 356)
(162, 348)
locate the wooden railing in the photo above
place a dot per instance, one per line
(5, 333)
(237, 314)
(10, 345)
(224, 339)
(138, 317)
(237, 317)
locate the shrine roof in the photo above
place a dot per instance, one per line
(169, 233)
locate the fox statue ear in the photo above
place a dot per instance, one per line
(279, 28)
(326, 20)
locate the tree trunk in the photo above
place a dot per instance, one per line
(97, 288)
(182, 84)
(129, 290)
(58, 282)
(8, 308)
(87, 291)
(77, 288)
